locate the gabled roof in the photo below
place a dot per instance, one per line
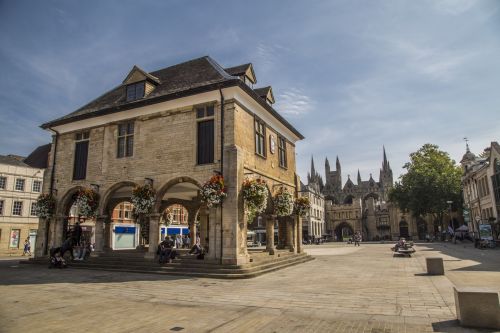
(184, 79)
(13, 160)
(266, 93)
(39, 158)
(140, 70)
(245, 69)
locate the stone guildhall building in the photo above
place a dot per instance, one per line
(173, 129)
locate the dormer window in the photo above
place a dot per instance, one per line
(135, 91)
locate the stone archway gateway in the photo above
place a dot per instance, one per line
(403, 229)
(344, 231)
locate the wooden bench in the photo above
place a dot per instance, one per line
(477, 307)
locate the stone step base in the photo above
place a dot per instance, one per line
(189, 267)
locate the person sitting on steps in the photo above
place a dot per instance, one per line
(167, 253)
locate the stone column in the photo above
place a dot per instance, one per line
(192, 225)
(213, 234)
(270, 221)
(299, 234)
(108, 234)
(289, 234)
(203, 232)
(99, 234)
(58, 231)
(41, 238)
(154, 235)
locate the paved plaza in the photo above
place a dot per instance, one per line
(346, 289)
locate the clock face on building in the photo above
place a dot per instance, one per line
(272, 144)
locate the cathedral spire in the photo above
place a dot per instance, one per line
(313, 171)
(359, 178)
(338, 163)
(384, 165)
(327, 166)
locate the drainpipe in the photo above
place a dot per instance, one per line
(221, 163)
(51, 188)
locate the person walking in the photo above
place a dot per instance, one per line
(357, 239)
(27, 247)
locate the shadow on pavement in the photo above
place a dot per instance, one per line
(488, 260)
(453, 326)
(14, 273)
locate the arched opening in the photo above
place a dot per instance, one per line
(122, 229)
(344, 231)
(178, 203)
(372, 195)
(422, 229)
(403, 229)
(174, 222)
(348, 200)
(125, 233)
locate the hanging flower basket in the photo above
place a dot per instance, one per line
(283, 203)
(87, 201)
(213, 191)
(255, 195)
(302, 206)
(143, 199)
(45, 206)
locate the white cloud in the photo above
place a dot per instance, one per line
(294, 102)
(454, 7)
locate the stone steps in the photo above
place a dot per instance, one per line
(189, 266)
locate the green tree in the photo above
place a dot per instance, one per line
(432, 179)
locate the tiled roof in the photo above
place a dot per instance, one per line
(238, 70)
(39, 158)
(184, 79)
(12, 160)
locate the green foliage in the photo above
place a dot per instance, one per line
(432, 179)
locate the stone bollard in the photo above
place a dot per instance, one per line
(477, 307)
(435, 266)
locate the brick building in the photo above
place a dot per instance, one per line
(173, 128)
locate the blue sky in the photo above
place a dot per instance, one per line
(352, 76)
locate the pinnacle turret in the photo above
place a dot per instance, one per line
(359, 178)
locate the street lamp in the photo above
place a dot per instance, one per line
(449, 202)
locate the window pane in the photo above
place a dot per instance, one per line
(81, 154)
(130, 93)
(122, 129)
(1, 207)
(205, 144)
(200, 112)
(3, 181)
(19, 184)
(139, 90)
(130, 128)
(33, 209)
(121, 147)
(130, 146)
(210, 111)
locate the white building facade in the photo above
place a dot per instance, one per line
(20, 186)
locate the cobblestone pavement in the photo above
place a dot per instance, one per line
(346, 289)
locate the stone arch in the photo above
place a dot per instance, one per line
(371, 195)
(107, 199)
(164, 189)
(64, 205)
(343, 229)
(404, 229)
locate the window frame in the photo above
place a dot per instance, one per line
(14, 208)
(33, 208)
(204, 113)
(128, 135)
(39, 182)
(4, 182)
(80, 137)
(2, 206)
(134, 86)
(282, 150)
(23, 182)
(262, 136)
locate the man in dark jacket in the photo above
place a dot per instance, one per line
(77, 234)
